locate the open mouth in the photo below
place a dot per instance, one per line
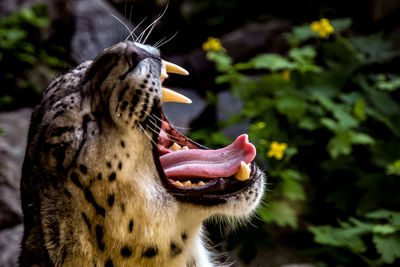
(194, 173)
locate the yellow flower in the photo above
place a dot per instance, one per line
(212, 44)
(277, 150)
(322, 27)
(286, 74)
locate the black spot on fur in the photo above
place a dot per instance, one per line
(109, 263)
(124, 105)
(120, 165)
(184, 236)
(112, 176)
(150, 252)
(58, 131)
(75, 180)
(126, 252)
(83, 169)
(131, 108)
(99, 176)
(123, 144)
(142, 85)
(89, 198)
(123, 207)
(109, 164)
(86, 219)
(58, 114)
(67, 193)
(175, 251)
(145, 81)
(99, 236)
(110, 200)
(130, 226)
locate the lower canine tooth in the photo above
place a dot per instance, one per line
(244, 172)
(175, 147)
(187, 184)
(177, 183)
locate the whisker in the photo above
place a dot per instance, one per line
(173, 125)
(163, 43)
(144, 131)
(126, 26)
(159, 41)
(132, 32)
(173, 138)
(151, 26)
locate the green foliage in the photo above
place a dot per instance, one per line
(339, 119)
(22, 51)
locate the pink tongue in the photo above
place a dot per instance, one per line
(223, 162)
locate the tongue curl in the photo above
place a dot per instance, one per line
(202, 163)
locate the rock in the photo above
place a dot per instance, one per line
(10, 240)
(96, 28)
(14, 127)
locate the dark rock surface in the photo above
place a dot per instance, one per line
(14, 127)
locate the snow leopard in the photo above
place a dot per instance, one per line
(108, 181)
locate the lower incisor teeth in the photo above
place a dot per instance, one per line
(187, 184)
(244, 172)
(177, 183)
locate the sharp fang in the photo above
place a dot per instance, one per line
(187, 184)
(177, 183)
(175, 147)
(185, 148)
(173, 68)
(171, 96)
(244, 172)
(201, 183)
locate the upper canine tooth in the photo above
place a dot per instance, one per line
(244, 172)
(175, 147)
(173, 68)
(171, 96)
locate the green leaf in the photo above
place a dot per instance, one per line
(291, 106)
(359, 110)
(346, 121)
(388, 247)
(272, 62)
(339, 237)
(290, 174)
(361, 138)
(384, 102)
(341, 24)
(340, 144)
(223, 62)
(280, 213)
(300, 34)
(375, 47)
(383, 229)
(331, 124)
(391, 216)
(293, 190)
(308, 124)
(390, 85)
(394, 168)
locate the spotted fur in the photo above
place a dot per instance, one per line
(91, 191)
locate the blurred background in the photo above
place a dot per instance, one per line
(314, 84)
